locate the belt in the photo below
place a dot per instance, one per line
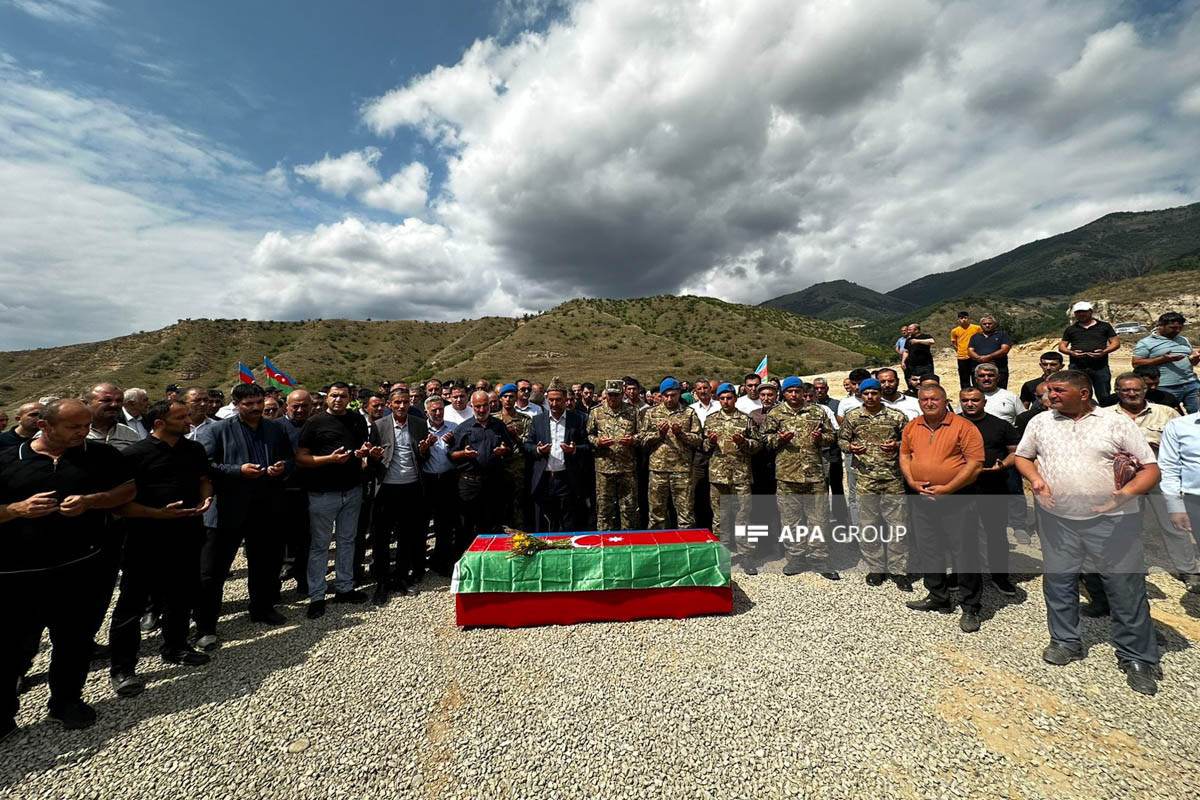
(472, 478)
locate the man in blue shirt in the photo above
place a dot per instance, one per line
(1175, 358)
(991, 347)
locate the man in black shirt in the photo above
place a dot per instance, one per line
(478, 450)
(991, 347)
(164, 532)
(26, 427)
(1088, 343)
(332, 448)
(298, 408)
(54, 494)
(918, 360)
(1050, 362)
(1000, 441)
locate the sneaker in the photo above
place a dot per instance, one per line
(353, 596)
(186, 656)
(1022, 536)
(207, 642)
(316, 609)
(126, 684)
(1060, 655)
(74, 716)
(1004, 586)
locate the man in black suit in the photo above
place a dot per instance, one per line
(400, 502)
(558, 446)
(250, 459)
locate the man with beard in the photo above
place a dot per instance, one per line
(516, 473)
(670, 432)
(557, 446)
(104, 401)
(1050, 362)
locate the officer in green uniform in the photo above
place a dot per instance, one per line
(612, 430)
(730, 439)
(796, 431)
(670, 432)
(515, 471)
(872, 434)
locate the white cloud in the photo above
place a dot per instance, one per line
(74, 12)
(347, 174)
(405, 193)
(749, 149)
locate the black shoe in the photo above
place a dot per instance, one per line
(1191, 584)
(186, 656)
(952, 581)
(928, 604)
(968, 622)
(831, 576)
(794, 566)
(904, 582)
(748, 568)
(99, 651)
(875, 578)
(316, 609)
(148, 622)
(1141, 677)
(353, 596)
(1004, 586)
(207, 641)
(1095, 610)
(74, 716)
(126, 684)
(381, 595)
(268, 616)
(302, 588)
(7, 728)
(1060, 655)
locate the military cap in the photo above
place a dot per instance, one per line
(615, 386)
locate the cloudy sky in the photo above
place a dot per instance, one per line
(445, 159)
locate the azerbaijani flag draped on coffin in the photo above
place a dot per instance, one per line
(607, 575)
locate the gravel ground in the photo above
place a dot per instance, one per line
(810, 689)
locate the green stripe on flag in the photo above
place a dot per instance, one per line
(583, 569)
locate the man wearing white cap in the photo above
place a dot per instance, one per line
(1088, 343)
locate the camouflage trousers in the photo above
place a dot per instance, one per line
(513, 513)
(737, 499)
(805, 504)
(616, 501)
(882, 505)
(667, 489)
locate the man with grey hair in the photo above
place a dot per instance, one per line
(136, 401)
(104, 401)
(991, 346)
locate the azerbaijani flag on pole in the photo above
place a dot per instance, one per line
(761, 369)
(278, 378)
(607, 575)
(245, 374)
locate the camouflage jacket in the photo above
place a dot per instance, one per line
(514, 462)
(729, 462)
(862, 427)
(799, 459)
(670, 453)
(602, 422)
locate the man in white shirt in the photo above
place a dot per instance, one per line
(704, 404)
(1000, 402)
(1067, 455)
(749, 401)
(1179, 459)
(458, 411)
(524, 406)
(892, 397)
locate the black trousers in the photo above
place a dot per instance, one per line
(479, 510)
(966, 372)
(161, 558)
(441, 505)
(839, 510)
(400, 514)
(264, 556)
(366, 513)
(991, 497)
(947, 531)
(67, 601)
(556, 504)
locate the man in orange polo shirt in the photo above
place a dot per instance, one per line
(941, 454)
(960, 337)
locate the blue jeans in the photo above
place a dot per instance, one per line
(1186, 393)
(330, 513)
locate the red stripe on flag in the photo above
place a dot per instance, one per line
(522, 609)
(498, 544)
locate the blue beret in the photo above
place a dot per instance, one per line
(792, 382)
(668, 385)
(869, 383)
(508, 387)
(726, 387)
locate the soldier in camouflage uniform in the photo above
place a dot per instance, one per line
(796, 431)
(730, 439)
(872, 434)
(670, 432)
(516, 477)
(612, 430)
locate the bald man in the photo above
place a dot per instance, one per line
(26, 427)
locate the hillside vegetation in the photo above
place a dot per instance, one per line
(580, 340)
(840, 301)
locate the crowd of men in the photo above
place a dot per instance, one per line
(164, 494)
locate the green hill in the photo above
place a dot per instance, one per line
(840, 300)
